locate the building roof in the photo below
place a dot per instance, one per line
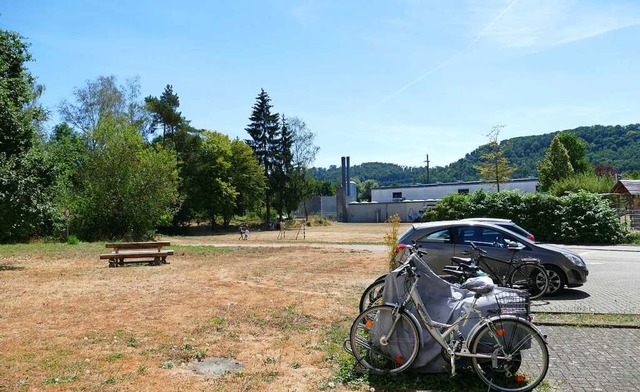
(630, 187)
(437, 184)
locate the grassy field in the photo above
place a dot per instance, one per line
(71, 323)
(279, 307)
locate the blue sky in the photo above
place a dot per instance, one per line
(379, 81)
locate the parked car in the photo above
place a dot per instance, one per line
(445, 239)
(506, 223)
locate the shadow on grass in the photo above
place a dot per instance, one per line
(465, 381)
(10, 267)
(207, 230)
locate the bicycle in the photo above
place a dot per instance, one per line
(372, 295)
(521, 274)
(507, 352)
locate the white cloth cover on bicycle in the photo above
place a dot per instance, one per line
(480, 285)
(444, 303)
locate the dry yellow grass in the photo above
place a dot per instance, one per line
(70, 323)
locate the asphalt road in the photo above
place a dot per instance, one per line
(613, 285)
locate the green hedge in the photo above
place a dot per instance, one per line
(578, 218)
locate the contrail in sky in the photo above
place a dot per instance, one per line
(456, 55)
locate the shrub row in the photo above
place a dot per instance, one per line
(577, 218)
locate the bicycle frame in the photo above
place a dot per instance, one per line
(513, 263)
(440, 337)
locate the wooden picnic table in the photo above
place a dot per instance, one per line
(150, 252)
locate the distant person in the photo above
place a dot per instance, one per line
(245, 233)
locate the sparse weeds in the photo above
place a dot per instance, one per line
(115, 356)
(391, 238)
(182, 354)
(59, 380)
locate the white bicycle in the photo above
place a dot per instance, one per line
(507, 352)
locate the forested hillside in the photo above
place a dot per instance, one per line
(617, 146)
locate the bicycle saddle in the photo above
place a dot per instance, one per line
(465, 264)
(479, 285)
(461, 260)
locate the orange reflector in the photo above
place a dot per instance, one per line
(399, 360)
(500, 332)
(519, 378)
(368, 324)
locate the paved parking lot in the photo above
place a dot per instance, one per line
(593, 359)
(613, 285)
(597, 359)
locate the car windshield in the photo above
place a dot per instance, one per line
(520, 238)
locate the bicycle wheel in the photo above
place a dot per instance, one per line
(383, 340)
(530, 277)
(519, 356)
(372, 295)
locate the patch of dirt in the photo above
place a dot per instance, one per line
(216, 366)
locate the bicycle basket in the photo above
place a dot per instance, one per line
(514, 302)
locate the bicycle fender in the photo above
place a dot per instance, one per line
(477, 327)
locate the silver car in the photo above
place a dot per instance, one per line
(446, 239)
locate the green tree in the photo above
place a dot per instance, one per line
(264, 130)
(26, 173)
(164, 113)
(577, 150)
(27, 195)
(282, 176)
(555, 166)
(102, 98)
(68, 153)
(247, 178)
(364, 189)
(127, 187)
(303, 154)
(494, 166)
(20, 115)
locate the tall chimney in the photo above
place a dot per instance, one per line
(344, 170)
(348, 179)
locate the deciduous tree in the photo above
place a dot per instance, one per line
(20, 115)
(26, 173)
(102, 98)
(494, 167)
(127, 187)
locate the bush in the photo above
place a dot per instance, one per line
(584, 181)
(580, 217)
(73, 240)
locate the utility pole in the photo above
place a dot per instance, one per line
(427, 161)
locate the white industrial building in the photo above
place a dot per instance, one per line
(440, 190)
(409, 202)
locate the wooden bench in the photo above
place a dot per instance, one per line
(150, 252)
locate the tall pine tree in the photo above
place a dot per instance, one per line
(164, 113)
(284, 171)
(264, 130)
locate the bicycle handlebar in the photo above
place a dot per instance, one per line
(477, 248)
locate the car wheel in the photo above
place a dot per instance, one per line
(556, 280)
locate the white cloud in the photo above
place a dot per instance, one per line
(548, 23)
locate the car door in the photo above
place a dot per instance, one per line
(439, 247)
(493, 240)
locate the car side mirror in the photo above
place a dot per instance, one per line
(514, 246)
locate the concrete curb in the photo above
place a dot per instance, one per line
(580, 325)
